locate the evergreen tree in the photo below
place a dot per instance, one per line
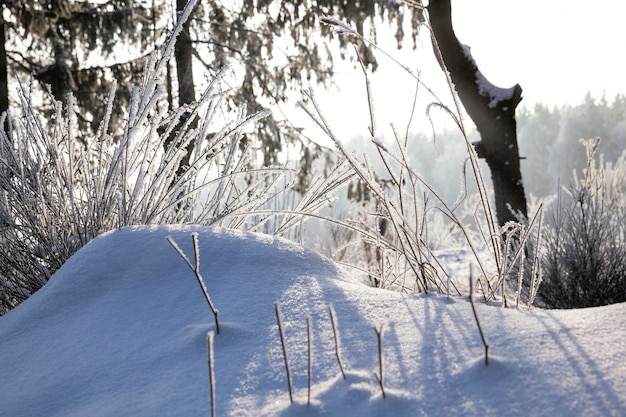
(74, 47)
(247, 38)
(62, 37)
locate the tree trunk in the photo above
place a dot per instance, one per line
(183, 52)
(4, 82)
(492, 109)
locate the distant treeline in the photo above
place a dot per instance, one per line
(549, 140)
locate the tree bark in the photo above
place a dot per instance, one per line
(4, 82)
(183, 52)
(491, 108)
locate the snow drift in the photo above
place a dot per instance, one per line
(121, 329)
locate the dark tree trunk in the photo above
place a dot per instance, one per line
(492, 110)
(183, 52)
(4, 82)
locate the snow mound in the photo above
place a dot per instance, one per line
(121, 330)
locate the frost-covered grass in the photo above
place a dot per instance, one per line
(395, 233)
(59, 193)
(583, 259)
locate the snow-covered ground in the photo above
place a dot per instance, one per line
(121, 330)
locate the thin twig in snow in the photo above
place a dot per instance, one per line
(379, 375)
(211, 364)
(282, 342)
(331, 310)
(310, 358)
(480, 330)
(196, 270)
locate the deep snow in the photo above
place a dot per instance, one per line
(120, 330)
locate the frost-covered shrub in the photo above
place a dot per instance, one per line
(57, 193)
(584, 256)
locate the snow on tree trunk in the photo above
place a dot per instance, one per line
(491, 108)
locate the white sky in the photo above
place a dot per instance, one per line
(557, 50)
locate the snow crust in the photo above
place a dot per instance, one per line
(121, 330)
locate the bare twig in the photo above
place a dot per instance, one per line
(211, 364)
(310, 358)
(331, 310)
(282, 342)
(480, 330)
(196, 270)
(536, 268)
(379, 375)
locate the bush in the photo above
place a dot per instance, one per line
(583, 260)
(57, 193)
